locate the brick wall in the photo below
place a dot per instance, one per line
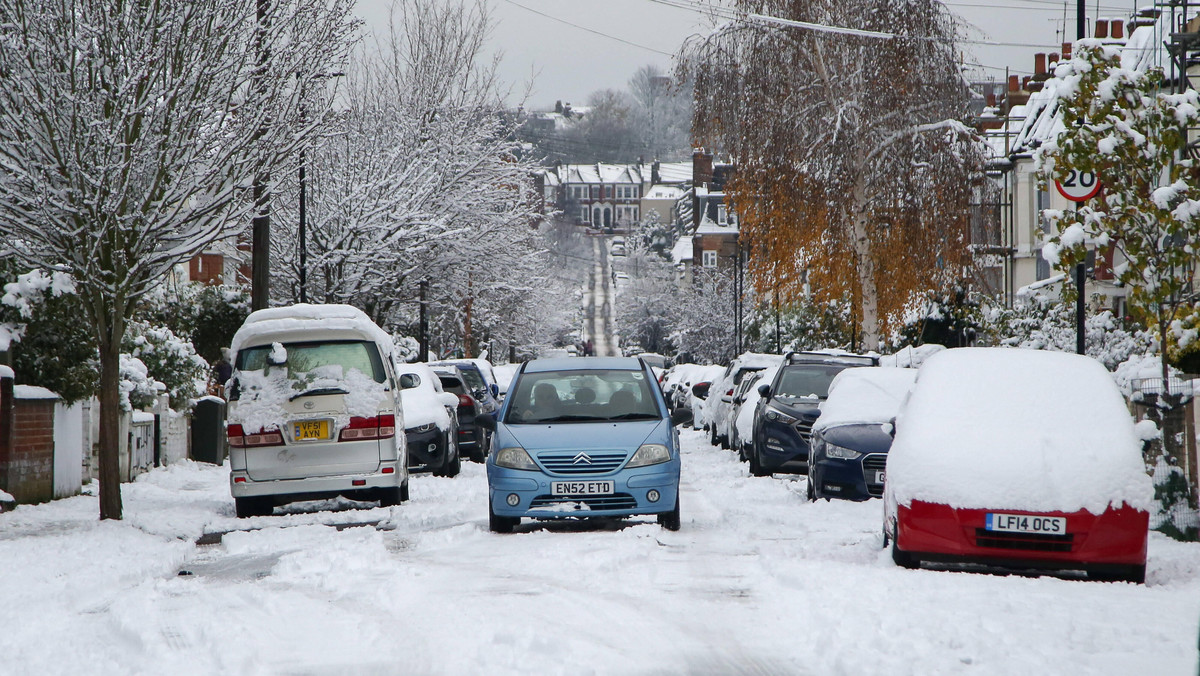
(28, 468)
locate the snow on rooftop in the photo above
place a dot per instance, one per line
(682, 251)
(995, 428)
(664, 192)
(871, 394)
(675, 172)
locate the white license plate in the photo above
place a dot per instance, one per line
(1025, 523)
(879, 477)
(581, 487)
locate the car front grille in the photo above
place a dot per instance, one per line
(1033, 542)
(875, 462)
(574, 463)
(596, 502)
(804, 427)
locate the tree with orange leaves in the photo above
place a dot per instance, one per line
(854, 170)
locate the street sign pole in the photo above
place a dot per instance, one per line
(1079, 187)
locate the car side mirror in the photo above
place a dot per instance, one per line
(494, 389)
(700, 390)
(764, 391)
(680, 416)
(486, 420)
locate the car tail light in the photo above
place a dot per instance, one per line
(464, 400)
(389, 470)
(729, 393)
(238, 438)
(362, 429)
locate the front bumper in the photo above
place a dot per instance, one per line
(939, 533)
(630, 496)
(847, 479)
(426, 450)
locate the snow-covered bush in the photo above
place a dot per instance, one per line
(138, 389)
(807, 324)
(408, 349)
(207, 315)
(169, 359)
(41, 324)
(953, 318)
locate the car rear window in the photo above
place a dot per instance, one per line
(807, 381)
(452, 384)
(306, 357)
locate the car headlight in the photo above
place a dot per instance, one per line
(514, 457)
(841, 453)
(775, 414)
(649, 454)
(422, 428)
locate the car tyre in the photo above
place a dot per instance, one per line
(904, 559)
(811, 490)
(712, 435)
(248, 507)
(670, 520)
(756, 468)
(390, 497)
(501, 524)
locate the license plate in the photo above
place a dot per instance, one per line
(879, 477)
(581, 487)
(310, 429)
(1025, 523)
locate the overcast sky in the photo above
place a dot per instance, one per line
(567, 62)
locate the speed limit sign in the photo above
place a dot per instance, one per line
(1079, 186)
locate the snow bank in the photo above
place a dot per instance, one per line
(1017, 429)
(865, 395)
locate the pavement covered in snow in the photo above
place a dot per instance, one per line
(757, 581)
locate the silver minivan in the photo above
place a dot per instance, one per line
(314, 409)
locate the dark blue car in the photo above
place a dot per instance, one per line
(851, 440)
(789, 407)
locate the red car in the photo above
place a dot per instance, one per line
(1018, 459)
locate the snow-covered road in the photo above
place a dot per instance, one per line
(598, 302)
(757, 581)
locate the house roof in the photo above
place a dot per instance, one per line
(664, 192)
(602, 173)
(675, 172)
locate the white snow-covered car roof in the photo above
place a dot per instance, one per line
(305, 321)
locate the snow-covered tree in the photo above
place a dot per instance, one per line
(706, 324)
(131, 134)
(647, 307)
(1118, 124)
(853, 165)
(418, 179)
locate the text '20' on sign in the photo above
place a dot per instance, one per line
(1078, 186)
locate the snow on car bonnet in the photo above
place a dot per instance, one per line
(997, 428)
(865, 395)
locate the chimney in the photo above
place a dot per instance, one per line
(1039, 64)
(1051, 60)
(1101, 28)
(1014, 84)
(1118, 29)
(1025, 83)
(1066, 51)
(991, 99)
(702, 168)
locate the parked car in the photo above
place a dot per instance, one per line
(720, 402)
(472, 439)
(789, 405)
(1020, 459)
(745, 403)
(430, 421)
(617, 246)
(586, 437)
(313, 410)
(851, 438)
(696, 394)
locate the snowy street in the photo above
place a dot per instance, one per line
(758, 581)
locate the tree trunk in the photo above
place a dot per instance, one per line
(865, 267)
(110, 416)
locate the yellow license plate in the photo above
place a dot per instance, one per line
(310, 429)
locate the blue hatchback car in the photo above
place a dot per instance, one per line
(583, 437)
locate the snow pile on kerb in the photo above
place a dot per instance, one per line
(865, 395)
(1017, 429)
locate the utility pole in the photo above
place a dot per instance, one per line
(303, 231)
(260, 253)
(1080, 267)
(424, 323)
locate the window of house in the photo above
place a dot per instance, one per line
(722, 214)
(709, 258)
(585, 215)
(608, 191)
(633, 191)
(595, 192)
(634, 211)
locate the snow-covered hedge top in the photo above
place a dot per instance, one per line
(307, 317)
(32, 392)
(422, 404)
(993, 428)
(871, 394)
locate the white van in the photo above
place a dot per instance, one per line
(313, 410)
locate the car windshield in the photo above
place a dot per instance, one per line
(582, 396)
(807, 381)
(474, 379)
(333, 358)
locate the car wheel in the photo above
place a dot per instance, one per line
(756, 467)
(390, 497)
(404, 491)
(903, 558)
(670, 520)
(247, 507)
(501, 524)
(455, 464)
(811, 490)
(712, 435)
